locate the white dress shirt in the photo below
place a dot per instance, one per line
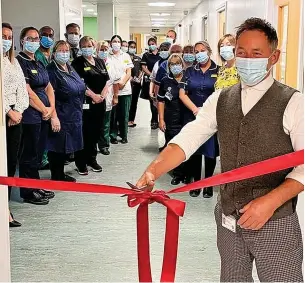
(195, 133)
(14, 86)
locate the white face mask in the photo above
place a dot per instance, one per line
(116, 46)
(226, 52)
(73, 39)
(124, 49)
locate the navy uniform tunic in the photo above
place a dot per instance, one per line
(169, 94)
(199, 86)
(37, 77)
(69, 92)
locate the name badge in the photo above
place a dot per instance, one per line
(214, 76)
(87, 68)
(86, 106)
(229, 222)
(126, 61)
(34, 71)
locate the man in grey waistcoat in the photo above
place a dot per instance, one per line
(257, 119)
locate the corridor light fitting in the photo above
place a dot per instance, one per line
(90, 10)
(159, 19)
(160, 14)
(84, 6)
(161, 4)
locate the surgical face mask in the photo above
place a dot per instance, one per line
(252, 70)
(176, 69)
(152, 47)
(73, 39)
(164, 54)
(125, 49)
(226, 52)
(116, 46)
(189, 58)
(31, 47)
(132, 51)
(202, 57)
(87, 51)
(169, 40)
(103, 55)
(46, 42)
(6, 45)
(62, 57)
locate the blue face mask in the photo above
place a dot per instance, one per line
(152, 47)
(164, 54)
(169, 40)
(132, 51)
(189, 58)
(62, 57)
(46, 42)
(202, 57)
(226, 52)
(103, 54)
(6, 45)
(176, 69)
(87, 51)
(31, 47)
(252, 70)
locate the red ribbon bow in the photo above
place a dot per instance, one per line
(175, 208)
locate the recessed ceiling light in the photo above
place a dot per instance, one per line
(161, 4)
(160, 14)
(95, 14)
(84, 6)
(159, 19)
(90, 10)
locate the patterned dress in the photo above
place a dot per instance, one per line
(226, 77)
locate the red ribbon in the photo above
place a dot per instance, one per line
(175, 208)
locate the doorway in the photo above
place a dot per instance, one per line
(204, 28)
(221, 19)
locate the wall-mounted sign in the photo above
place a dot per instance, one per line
(155, 30)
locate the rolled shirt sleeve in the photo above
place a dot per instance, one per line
(197, 132)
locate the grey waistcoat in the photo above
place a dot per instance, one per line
(257, 136)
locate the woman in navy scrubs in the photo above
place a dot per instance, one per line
(196, 86)
(94, 73)
(35, 120)
(66, 137)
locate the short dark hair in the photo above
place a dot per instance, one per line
(124, 41)
(116, 35)
(7, 25)
(132, 42)
(72, 25)
(154, 39)
(11, 51)
(45, 27)
(260, 25)
(24, 32)
(165, 45)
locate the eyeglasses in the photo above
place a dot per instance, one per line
(32, 39)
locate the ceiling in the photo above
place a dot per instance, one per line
(140, 14)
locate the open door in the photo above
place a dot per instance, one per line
(289, 14)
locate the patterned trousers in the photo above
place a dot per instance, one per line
(276, 248)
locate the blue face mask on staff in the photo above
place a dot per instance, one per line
(62, 57)
(202, 57)
(164, 54)
(176, 69)
(46, 42)
(103, 54)
(189, 58)
(226, 52)
(31, 47)
(252, 70)
(6, 45)
(152, 47)
(87, 51)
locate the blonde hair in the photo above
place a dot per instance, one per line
(206, 45)
(173, 57)
(102, 43)
(58, 44)
(85, 39)
(230, 38)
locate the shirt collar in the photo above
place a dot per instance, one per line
(264, 85)
(111, 53)
(25, 56)
(212, 67)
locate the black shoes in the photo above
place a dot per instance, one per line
(68, 178)
(114, 141)
(36, 198)
(14, 223)
(195, 193)
(207, 192)
(105, 151)
(95, 167)
(46, 194)
(83, 171)
(124, 141)
(176, 181)
(187, 180)
(154, 126)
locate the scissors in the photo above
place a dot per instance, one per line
(134, 188)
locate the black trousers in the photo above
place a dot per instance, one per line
(136, 89)
(92, 126)
(13, 137)
(57, 164)
(154, 113)
(194, 166)
(33, 144)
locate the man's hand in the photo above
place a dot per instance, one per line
(147, 180)
(46, 115)
(15, 117)
(97, 98)
(256, 213)
(162, 125)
